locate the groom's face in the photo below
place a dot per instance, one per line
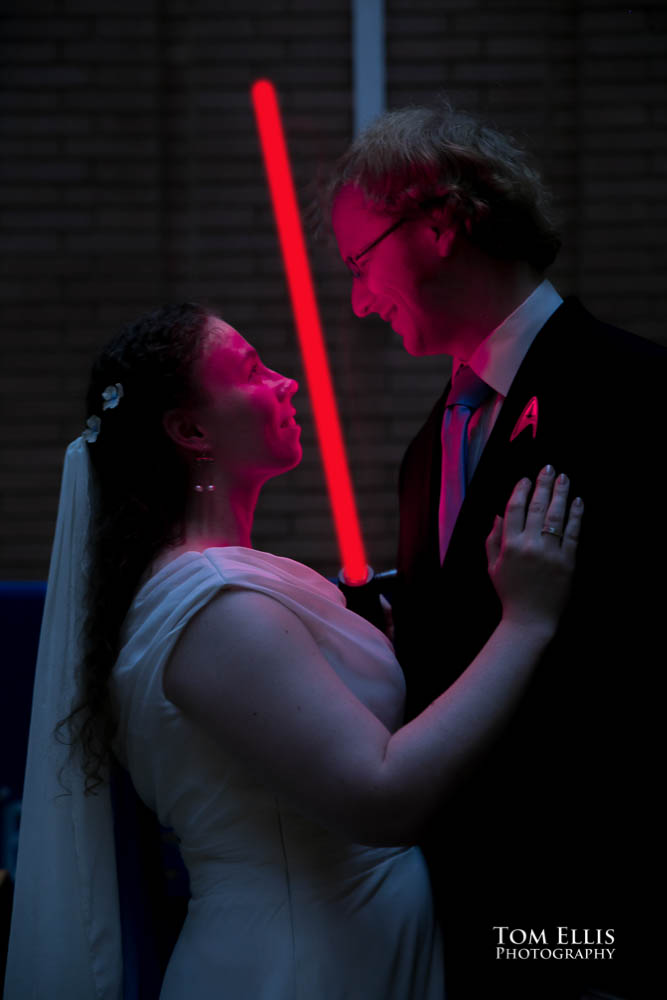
(403, 277)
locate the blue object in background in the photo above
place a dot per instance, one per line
(152, 880)
(21, 609)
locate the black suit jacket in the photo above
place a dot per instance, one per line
(550, 828)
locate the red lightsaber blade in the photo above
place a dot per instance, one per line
(309, 330)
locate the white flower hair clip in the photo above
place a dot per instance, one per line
(112, 396)
(92, 429)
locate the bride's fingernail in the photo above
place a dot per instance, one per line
(562, 478)
(548, 470)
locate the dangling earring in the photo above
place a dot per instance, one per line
(204, 469)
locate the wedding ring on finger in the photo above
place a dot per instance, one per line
(548, 530)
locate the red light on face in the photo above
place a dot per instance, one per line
(309, 330)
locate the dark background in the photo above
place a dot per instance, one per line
(131, 175)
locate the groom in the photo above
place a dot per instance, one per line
(536, 860)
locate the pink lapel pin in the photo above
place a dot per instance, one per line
(528, 418)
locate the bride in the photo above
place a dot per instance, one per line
(256, 715)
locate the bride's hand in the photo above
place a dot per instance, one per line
(530, 566)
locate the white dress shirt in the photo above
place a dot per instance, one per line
(497, 360)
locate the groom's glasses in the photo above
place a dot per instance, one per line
(351, 262)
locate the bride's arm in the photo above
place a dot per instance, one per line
(249, 672)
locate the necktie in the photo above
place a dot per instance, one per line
(467, 393)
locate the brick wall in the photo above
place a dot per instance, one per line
(131, 175)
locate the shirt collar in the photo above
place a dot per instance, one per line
(499, 356)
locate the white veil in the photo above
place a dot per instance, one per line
(65, 936)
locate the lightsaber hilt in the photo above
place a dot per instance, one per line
(364, 598)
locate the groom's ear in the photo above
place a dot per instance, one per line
(445, 227)
(182, 427)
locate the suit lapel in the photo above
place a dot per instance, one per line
(420, 494)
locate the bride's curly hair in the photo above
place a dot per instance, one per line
(141, 481)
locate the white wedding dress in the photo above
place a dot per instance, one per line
(281, 909)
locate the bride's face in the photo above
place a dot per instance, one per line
(245, 408)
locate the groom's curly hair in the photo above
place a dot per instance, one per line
(141, 481)
(419, 156)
